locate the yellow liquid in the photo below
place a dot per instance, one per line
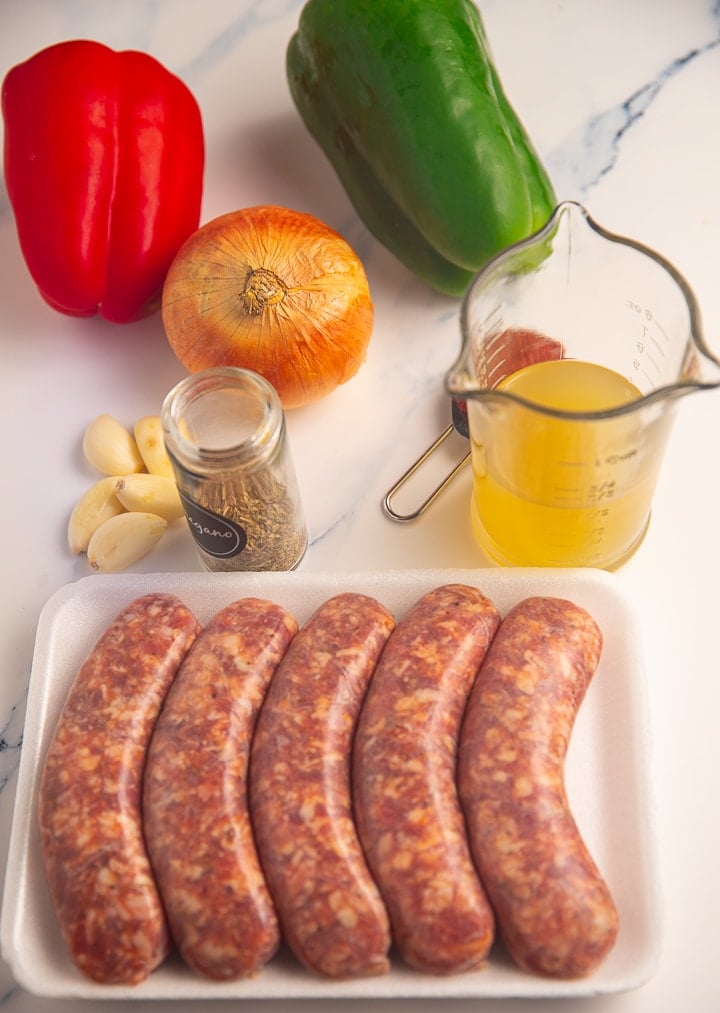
(561, 492)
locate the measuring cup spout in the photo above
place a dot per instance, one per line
(708, 368)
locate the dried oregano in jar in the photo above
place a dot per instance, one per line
(224, 431)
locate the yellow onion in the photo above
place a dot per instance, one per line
(272, 290)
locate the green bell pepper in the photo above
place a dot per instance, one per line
(405, 101)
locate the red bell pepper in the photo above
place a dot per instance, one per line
(104, 159)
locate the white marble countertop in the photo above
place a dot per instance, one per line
(621, 101)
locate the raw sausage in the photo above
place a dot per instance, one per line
(197, 823)
(330, 910)
(554, 910)
(107, 904)
(407, 809)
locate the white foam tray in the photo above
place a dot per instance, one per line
(608, 780)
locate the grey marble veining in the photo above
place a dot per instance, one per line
(257, 16)
(11, 742)
(591, 150)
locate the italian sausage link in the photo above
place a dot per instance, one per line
(102, 888)
(407, 809)
(554, 910)
(331, 912)
(197, 822)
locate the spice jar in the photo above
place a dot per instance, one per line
(225, 434)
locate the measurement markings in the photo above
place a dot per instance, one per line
(658, 346)
(662, 330)
(567, 494)
(652, 361)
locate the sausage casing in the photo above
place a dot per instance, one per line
(554, 910)
(197, 822)
(404, 769)
(105, 897)
(331, 913)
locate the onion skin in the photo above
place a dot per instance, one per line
(273, 290)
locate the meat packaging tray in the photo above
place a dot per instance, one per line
(608, 782)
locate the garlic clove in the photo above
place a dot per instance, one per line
(151, 444)
(151, 494)
(123, 540)
(110, 447)
(97, 505)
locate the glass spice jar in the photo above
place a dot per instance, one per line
(225, 434)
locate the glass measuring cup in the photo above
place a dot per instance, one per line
(576, 347)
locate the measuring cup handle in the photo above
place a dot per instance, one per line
(387, 501)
